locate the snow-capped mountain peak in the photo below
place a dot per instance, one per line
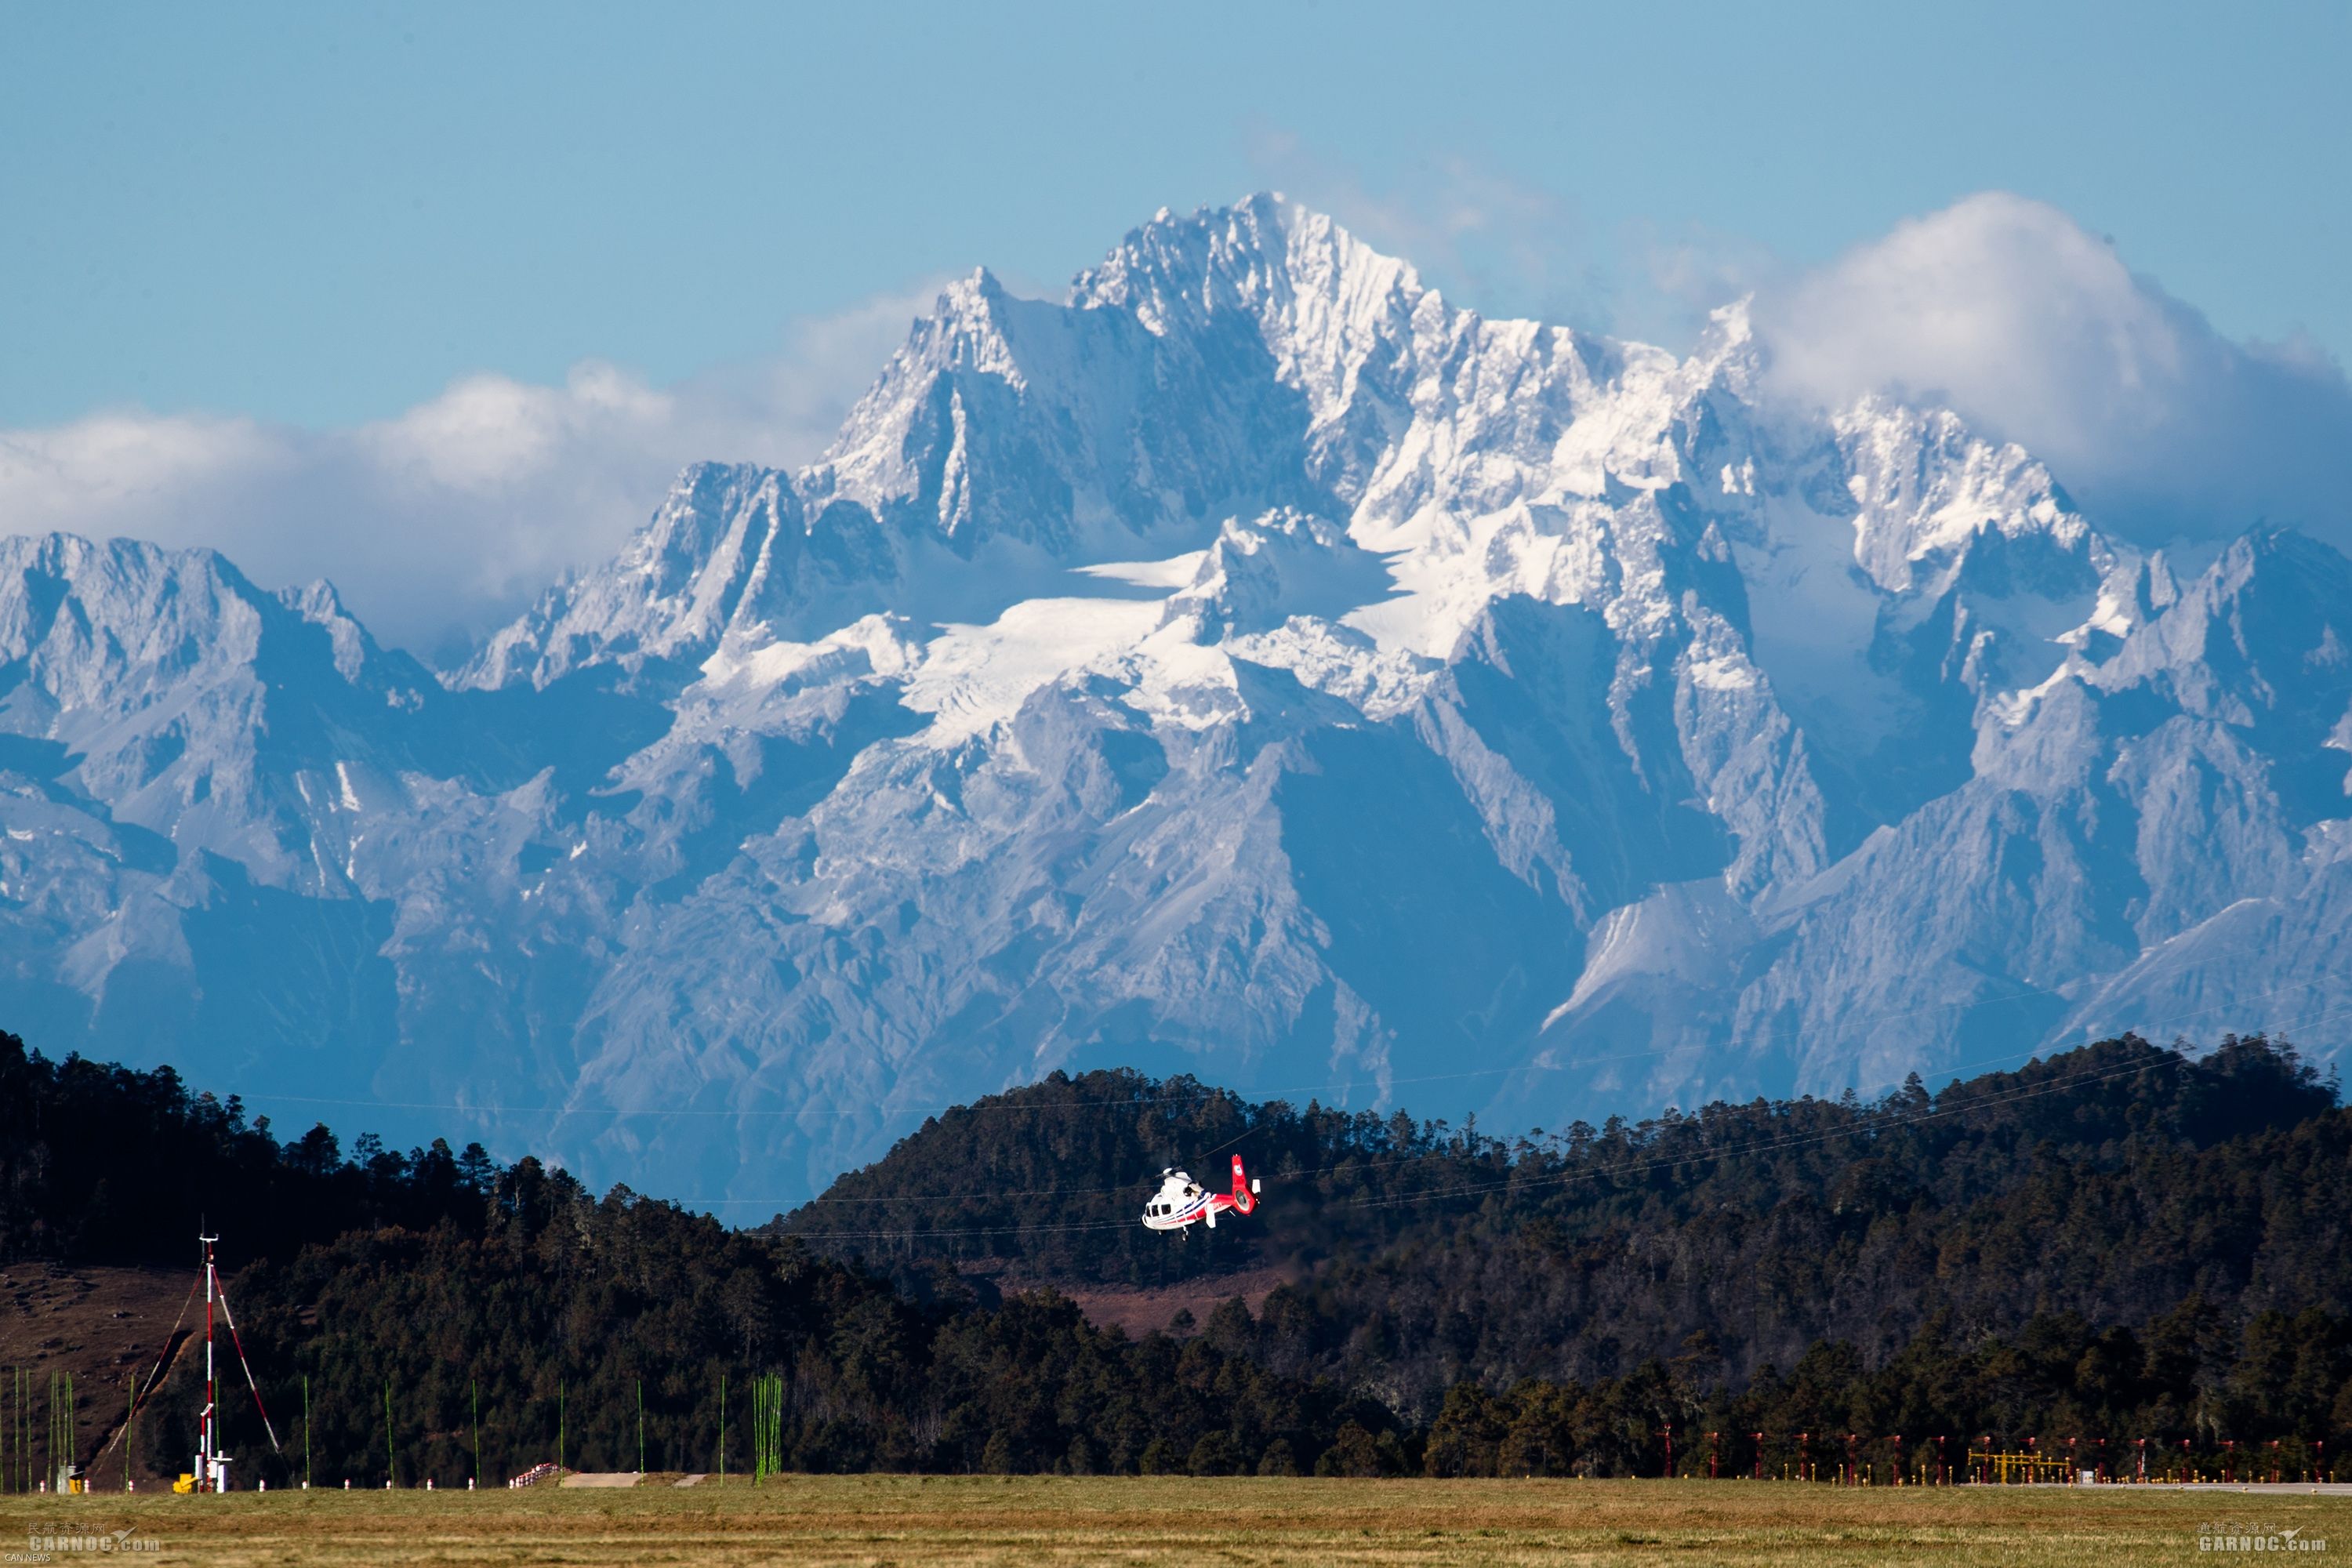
(1251, 663)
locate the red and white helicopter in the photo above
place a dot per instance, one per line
(1181, 1200)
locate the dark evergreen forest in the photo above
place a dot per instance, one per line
(2125, 1254)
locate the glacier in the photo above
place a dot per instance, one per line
(1252, 665)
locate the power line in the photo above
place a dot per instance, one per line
(782, 1204)
(1875, 1123)
(1207, 1092)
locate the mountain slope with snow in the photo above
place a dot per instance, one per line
(1253, 664)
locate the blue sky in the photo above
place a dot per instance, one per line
(320, 215)
(432, 299)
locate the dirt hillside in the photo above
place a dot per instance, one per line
(98, 1323)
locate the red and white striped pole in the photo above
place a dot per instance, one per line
(208, 1473)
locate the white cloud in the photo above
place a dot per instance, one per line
(2008, 312)
(438, 523)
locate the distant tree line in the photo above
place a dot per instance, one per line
(2116, 1245)
(2112, 1182)
(103, 1163)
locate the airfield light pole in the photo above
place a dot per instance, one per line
(1759, 1453)
(1714, 1451)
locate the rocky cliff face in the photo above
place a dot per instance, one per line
(1252, 665)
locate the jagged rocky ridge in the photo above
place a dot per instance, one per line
(1254, 664)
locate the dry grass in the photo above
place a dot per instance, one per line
(873, 1520)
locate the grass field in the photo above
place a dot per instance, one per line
(873, 1519)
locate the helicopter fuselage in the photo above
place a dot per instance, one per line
(1182, 1201)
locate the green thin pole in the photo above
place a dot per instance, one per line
(306, 1431)
(641, 1427)
(559, 1431)
(722, 1428)
(391, 1471)
(474, 1383)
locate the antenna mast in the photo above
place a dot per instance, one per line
(212, 1468)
